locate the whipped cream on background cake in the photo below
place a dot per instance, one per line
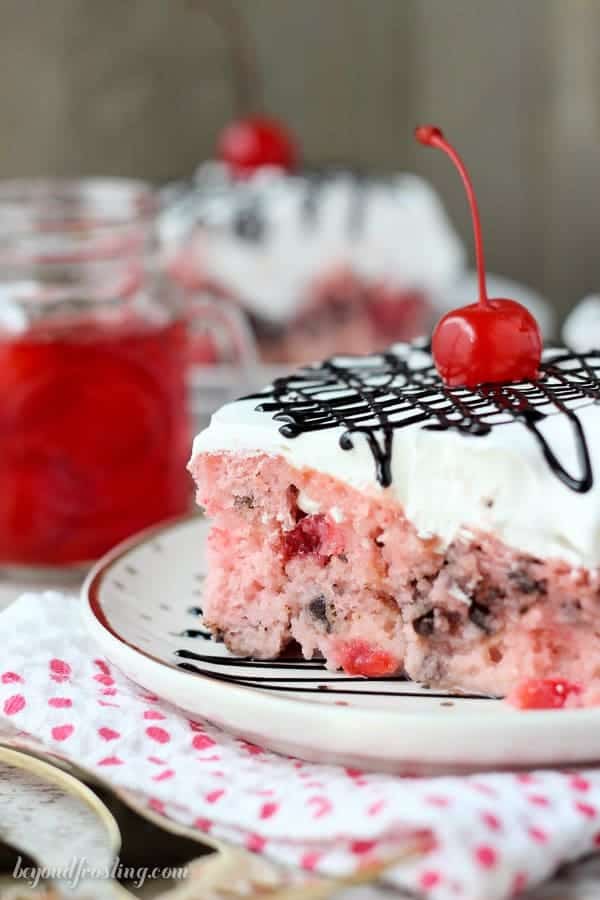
(268, 238)
(449, 482)
(581, 329)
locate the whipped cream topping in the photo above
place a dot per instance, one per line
(267, 239)
(450, 482)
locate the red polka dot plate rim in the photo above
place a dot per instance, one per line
(143, 605)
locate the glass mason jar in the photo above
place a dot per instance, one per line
(94, 346)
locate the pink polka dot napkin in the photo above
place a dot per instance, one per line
(487, 836)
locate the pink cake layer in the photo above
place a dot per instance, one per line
(363, 590)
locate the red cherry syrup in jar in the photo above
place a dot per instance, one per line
(94, 431)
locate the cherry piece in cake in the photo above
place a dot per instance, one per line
(543, 693)
(358, 657)
(313, 536)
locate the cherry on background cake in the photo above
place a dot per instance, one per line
(322, 261)
(433, 510)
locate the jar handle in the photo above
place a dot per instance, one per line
(235, 343)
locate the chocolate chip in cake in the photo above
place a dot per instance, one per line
(487, 594)
(454, 620)
(424, 624)
(480, 616)
(318, 607)
(318, 610)
(421, 587)
(526, 583)
(243, 502)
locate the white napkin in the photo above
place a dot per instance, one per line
(487, 836)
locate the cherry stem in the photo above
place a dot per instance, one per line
(243, 64)
(434, 137)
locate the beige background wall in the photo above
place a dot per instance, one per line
(143, 86)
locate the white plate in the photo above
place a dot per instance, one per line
(142, 602)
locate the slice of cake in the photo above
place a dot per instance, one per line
(391, 524)
(320, 261)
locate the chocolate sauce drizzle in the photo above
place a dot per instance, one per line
(317, 180)
(245, 208)
(376, 395)
(266, 675)
(290, 673)
(311, 199)
(250, 222)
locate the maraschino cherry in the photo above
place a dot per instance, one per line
(249, 144)
(493, 340)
